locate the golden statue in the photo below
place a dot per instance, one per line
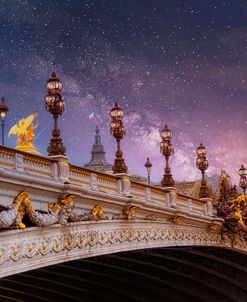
(24, 130)
(237, 208)
(97, 212)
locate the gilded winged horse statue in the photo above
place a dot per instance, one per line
(24, 130)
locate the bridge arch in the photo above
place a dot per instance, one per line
(35, 247)
(170, 274)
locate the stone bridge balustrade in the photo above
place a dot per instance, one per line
(56, 172)
(131, 215)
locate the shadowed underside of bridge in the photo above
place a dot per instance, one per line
(164, 274)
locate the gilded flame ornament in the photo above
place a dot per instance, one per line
(24, 130)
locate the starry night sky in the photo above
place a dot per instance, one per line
(183, 63)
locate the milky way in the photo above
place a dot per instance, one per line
(183, 63)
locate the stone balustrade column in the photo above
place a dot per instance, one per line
(209, 210)
(19, 163)
(172, 196)
(148, 194)
(60, 167)
(124, 184)
(94, 181)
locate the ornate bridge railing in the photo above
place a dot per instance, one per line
(90, 213)
(58, 169)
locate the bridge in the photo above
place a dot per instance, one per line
(92, 214)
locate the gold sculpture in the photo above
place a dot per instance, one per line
(237, 208)
(176, 219)
(97, 212)
(129, 212)
(24, 130)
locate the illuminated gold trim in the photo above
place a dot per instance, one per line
(106, 177)
(38, 160)
(79, 170)
(138, 185)
(158, 191)
(7, 152)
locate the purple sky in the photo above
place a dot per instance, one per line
(182, 63)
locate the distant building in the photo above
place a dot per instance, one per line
(98, 161)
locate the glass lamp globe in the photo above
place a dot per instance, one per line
(148, 165)
(54, 85)
(49, 100)
(201, 150)
(3, 109)
(116, 112)
(242, 171)
(166, 133)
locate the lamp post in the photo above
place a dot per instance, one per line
(148, 166)
(118, 132)
(167, 150)
(243, 178)
(55, 105)
(202, 165)
(3, 114)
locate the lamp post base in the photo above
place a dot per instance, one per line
(167, 181)
(204, 191)
(119, 166)
(56, 147)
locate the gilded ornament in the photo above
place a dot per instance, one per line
(24, 130)
(14, 215)
(97, 212)
(57, 213)
(15, 251)
(129, 212)
(176, 219)
(215, 227)
(30, 249)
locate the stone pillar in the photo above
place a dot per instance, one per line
(172, 196)
(19, 164)
(60, 167)
(148, 194)
(208, 206)
(124, 184)
(93, 181)
(190, 205)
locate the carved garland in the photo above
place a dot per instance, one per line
(84, 239)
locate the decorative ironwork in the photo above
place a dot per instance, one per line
(202, 165)
(3, 114)
(148, 166)
(167, 150)
(118, 132)
(55, 105)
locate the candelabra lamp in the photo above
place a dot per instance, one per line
(243, 178)
(202, 165)
(55, 105)
(148, 166)
(118, 132)
(167, 150)
(3, 114)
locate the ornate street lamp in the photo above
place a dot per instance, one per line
(202, 165)
(55, 105)
(167, 150)
(148, 166)
(3, 114)
(118, 132)
(243, 178)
